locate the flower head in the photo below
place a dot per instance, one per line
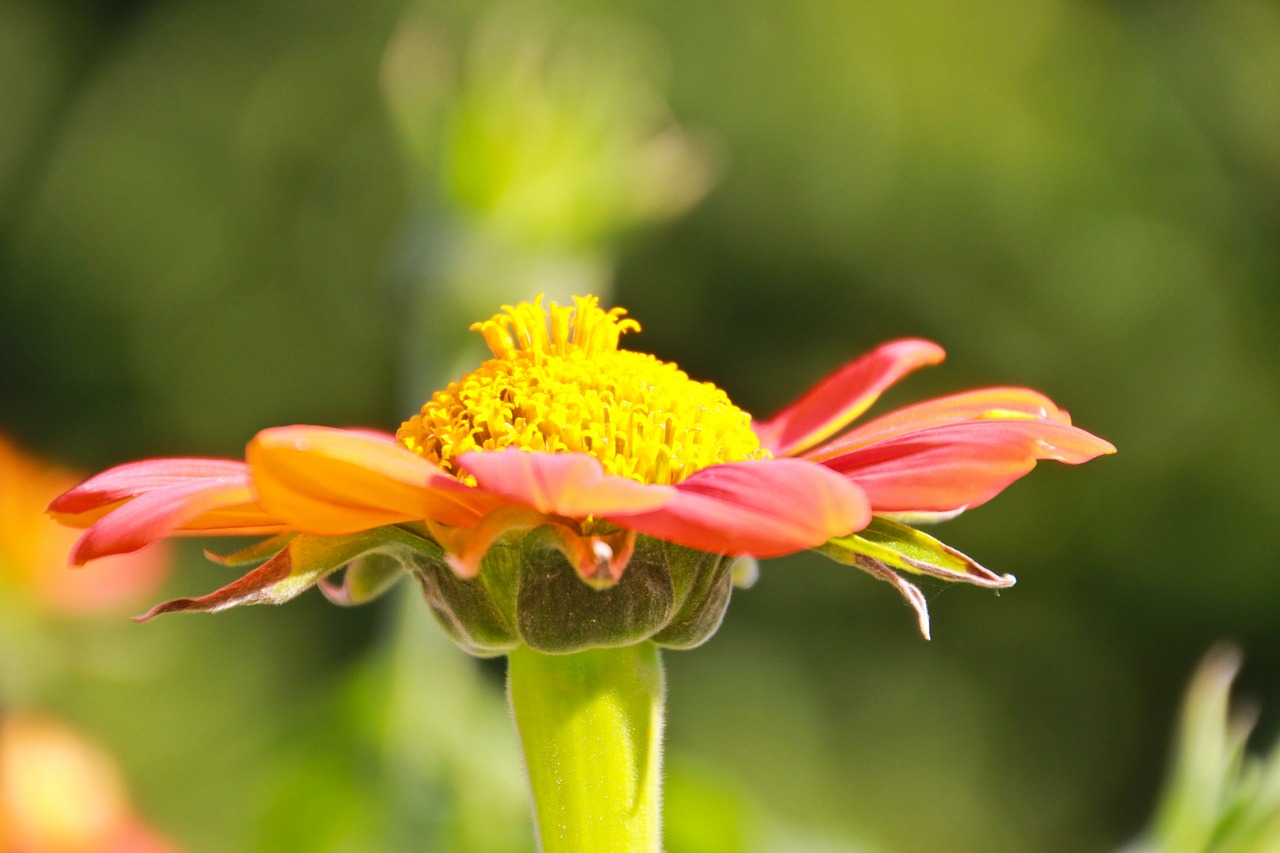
(566, 481)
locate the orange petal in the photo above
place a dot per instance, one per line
(465, 547)
(598, 560)
(573, 485)
(331, 482)
(843, 395)
(764, 508)
(955, 466)
(982, 404)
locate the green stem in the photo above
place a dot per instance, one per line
(591, 726)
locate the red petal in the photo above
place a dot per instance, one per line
(955, 466)
(331, 482)
(160, 512)
(764, 508)
(843, 395)
(574, 485)
(982, 404)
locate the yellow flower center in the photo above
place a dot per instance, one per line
(559, 384)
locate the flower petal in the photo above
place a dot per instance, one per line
(127, 481)
(164, 511)
(959, 465)
(574, 485)
(598, 560)
(986, 403)
(465, 547)
(843, 395)
(764, 508)
(331, 482)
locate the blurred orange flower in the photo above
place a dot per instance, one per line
(33, 548)
(61, 794)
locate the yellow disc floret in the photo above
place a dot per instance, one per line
(558, 383)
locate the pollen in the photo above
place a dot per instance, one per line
(558, 383)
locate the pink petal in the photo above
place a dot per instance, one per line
(574, 485)
(157, 513)
(762, 508)
(843, 395)
(982, 404)
(959, 465)
(134, 478)
(331, 482)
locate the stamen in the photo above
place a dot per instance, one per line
(559, 383)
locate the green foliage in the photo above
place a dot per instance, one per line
(209, 223)
(1218, 799)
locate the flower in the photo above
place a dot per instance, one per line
(608, 455)
(58, 792)
(33, 549)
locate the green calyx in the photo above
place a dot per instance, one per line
(527, 593)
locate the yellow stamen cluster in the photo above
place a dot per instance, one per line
(558, 383)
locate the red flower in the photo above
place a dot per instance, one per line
(563, 428)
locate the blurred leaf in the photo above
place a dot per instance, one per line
(1217, 798)
(704, 812)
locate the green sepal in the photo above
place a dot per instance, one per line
(477, 613)
(556, 612)
(704, 583)
(527, 592)
(885, 547)
(365, 578)
(898, 546)
(296, 565)
(252, 555)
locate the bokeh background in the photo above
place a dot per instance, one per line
(221, 215)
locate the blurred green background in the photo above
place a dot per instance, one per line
(221, 215)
